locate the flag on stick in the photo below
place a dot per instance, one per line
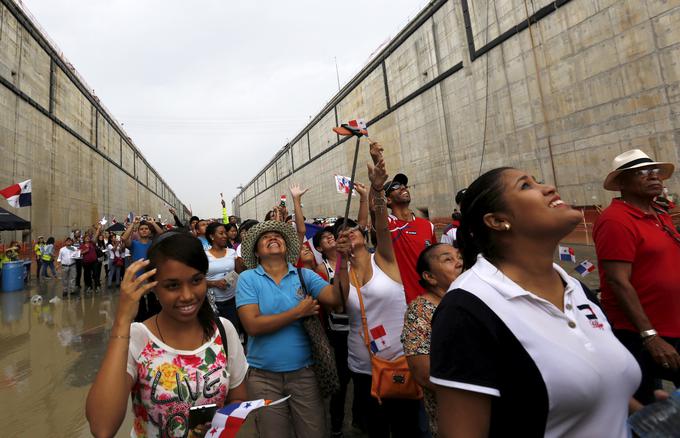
(567, 254)
(584, 268)
(342, 184)
(18, 195)
(228, 420)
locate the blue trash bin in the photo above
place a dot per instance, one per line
(12, 276)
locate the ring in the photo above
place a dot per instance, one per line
(665, 365)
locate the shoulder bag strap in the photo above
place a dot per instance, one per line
(302, 281)
(364, 322)
(223, 336)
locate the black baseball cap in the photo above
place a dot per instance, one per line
(399, 179)
(460, 195)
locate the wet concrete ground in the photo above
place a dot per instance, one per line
(50, 353)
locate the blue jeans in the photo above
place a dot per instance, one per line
(50, 265)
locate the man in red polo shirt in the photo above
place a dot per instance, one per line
(638, 251)
(410, 234)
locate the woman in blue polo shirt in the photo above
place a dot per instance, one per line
(271, 303)
(518, 347)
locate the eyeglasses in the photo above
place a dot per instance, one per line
(646, 173)
(396, 186)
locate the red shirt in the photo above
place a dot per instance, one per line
(626, 233)
(409, 239)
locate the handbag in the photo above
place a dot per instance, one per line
(118, 261)
(324, 366)
(389, 378)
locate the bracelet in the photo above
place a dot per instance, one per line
(376, 190)
(119, 337)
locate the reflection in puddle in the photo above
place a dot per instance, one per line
(50, 351)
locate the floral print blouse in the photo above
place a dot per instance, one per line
(169, 381)
(416, 339)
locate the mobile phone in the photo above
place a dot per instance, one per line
(201, 414)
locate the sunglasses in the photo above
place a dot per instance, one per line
(646, 173)
(396, 186)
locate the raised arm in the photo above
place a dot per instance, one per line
(225, 217)
(107, 399)
(127, 235)
(296, 192)
(178, 222)
(378, 176)
(363, 204)
(155, 226)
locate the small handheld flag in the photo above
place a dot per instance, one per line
(379, 335)
(567, 254)
(342, 184)
(228, 420)
(103, 221)
(18, 195)
(584, 268)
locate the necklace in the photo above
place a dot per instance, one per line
(159, 329)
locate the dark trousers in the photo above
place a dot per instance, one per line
(338, 341)
(651, 371)
(396, 418)
(38, 262)
(227, 309)
(88, 274)
(97, 274)
(79, 270)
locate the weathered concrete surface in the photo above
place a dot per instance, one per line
(54, 132)
(586, 82)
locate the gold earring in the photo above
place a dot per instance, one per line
(507, 227)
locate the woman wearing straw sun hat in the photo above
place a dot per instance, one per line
(638, 249)
(271, 302)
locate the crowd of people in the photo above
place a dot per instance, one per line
(480, 334)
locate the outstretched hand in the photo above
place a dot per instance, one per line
(376, 151)
(377, 174)
(296, 191)
(361, 189)
(343, 245)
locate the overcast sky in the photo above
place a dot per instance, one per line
(211, 90)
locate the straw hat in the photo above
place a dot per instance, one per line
(285, 230)
(634, 159)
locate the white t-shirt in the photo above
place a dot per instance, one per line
(449, 237)
(168, 381)
(219, 268)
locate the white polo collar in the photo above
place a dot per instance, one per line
(493, 276)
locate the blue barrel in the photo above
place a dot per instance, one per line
(12, 276)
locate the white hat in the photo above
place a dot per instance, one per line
(634, 159)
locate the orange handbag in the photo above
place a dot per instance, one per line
(389, 378)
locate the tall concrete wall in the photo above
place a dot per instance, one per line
(54, 131)
(469, 85)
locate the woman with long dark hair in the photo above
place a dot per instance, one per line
(175, 359)
(376, 304)
(520, 348)
(221, 277)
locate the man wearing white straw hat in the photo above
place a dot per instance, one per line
(638, 250)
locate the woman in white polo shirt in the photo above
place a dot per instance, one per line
(518, 346)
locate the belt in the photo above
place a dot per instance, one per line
(66, 266)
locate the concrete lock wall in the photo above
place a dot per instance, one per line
(557, 88)
(54, 131)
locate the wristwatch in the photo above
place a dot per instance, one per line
(648, 333)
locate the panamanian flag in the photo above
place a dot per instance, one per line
(379, 336)
(228, 420)
(359, 124)
(584, 268)
(342, 184)
(567, 254)
(18, 195)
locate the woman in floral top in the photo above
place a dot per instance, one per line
(438, 265)
(173, 360)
